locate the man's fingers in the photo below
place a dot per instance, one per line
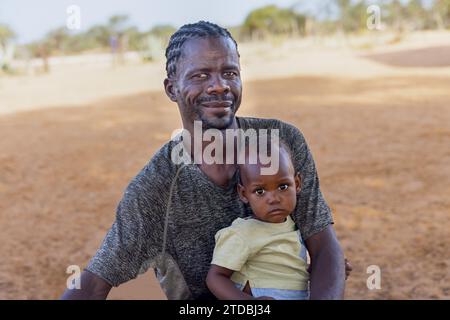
(348, 269)
(348, 266)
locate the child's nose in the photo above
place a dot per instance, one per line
(273, 197)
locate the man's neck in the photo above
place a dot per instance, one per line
(215, 167)
(199, 147)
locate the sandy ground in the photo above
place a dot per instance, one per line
(377, 123)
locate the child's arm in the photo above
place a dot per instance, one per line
(220, 284)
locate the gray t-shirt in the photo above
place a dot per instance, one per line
(188, 221)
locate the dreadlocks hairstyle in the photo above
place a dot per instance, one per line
(199, 29)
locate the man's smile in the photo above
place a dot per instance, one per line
(218, 104)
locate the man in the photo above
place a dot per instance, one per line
(170, 213)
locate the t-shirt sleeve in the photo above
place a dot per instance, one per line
(231, 250)
(135, 238)
(312, 214)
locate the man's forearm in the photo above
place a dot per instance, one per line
(327, 275)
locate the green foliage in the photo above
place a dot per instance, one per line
(350, 17)
(353, 17)
(6, 34)
(98, 37)
(163, 32)
(271, 20)
(441, 13)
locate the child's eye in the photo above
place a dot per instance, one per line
(283, 187)
(259, 192)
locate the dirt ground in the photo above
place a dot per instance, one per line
(381, 144)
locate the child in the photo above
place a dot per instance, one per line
(262, 256)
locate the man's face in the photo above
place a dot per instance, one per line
(207, 85)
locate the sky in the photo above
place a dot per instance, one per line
(31, 20)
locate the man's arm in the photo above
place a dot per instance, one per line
(327, 265)
(92, 288)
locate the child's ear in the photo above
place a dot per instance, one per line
(298, 182)
(169, 86)
(241, 192)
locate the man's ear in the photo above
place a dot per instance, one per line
(241, 192)
(298, 182)
(169, 86)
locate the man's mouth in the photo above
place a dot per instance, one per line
(217, 104)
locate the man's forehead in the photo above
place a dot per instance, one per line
(210, 48)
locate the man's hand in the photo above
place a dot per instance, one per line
(348, 268)
(92, 288)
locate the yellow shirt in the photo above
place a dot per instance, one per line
(267, 255)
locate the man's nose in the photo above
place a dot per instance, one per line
(218, 85)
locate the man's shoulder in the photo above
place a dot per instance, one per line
(266, 123)
(158, 170)
(287, 130)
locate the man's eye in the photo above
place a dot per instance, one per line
(259, 192)
(283, 187)
(201, 76)
(230, 74)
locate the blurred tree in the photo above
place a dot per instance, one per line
(117, 24)
(153, 42)
(98, 35)
(418, 17)
(235, 31)
(441, 13)
(396, 15)
(6, 35)
(353, 16)
(271, 20)
(163, 32)
(6, 47)
(58, 39)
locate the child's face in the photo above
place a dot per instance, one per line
(271, 197)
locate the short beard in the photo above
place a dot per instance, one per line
(217, 123)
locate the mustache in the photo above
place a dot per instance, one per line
(201, 100)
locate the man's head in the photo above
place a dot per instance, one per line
(203, 75)
(271, 197)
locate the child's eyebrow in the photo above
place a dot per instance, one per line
(256, 184)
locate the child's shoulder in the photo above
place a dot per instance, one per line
(243, 224)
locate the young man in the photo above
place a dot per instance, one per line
(170, 213)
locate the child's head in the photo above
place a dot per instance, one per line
(271, 197)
